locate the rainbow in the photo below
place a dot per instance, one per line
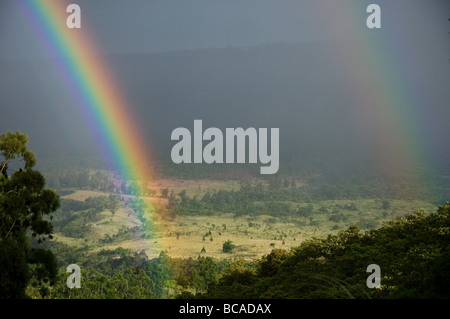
(376, 69)
(96, 92)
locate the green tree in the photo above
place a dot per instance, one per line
(228, 246)
(113, 203)
(24, 207)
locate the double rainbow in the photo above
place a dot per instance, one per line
(394, 107)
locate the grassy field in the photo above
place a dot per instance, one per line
(253, 236)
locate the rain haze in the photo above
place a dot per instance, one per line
(284, 64)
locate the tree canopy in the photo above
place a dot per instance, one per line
(26, 208)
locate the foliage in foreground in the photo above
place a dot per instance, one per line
(24, 207)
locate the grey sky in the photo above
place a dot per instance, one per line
(159, 25)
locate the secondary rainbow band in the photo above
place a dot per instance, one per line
(378, 72)
(93, 86)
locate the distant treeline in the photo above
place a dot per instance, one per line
(68, 181)
(80, 179)
(279, 198)
(323, 179)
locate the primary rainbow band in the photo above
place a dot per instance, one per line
(95, 90)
